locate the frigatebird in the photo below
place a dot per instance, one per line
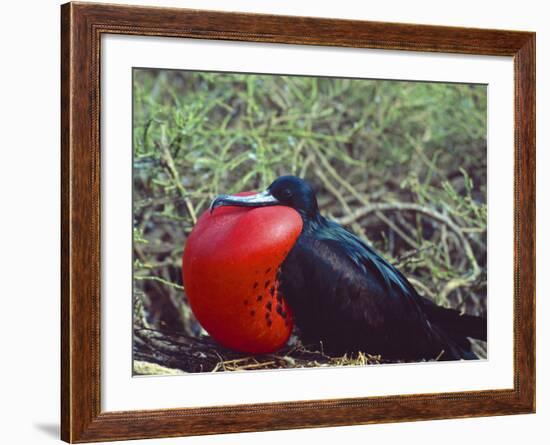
(346, 297)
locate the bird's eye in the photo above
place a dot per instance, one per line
(286, 193)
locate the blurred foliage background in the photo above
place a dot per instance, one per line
(402, 164)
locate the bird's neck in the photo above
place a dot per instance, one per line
(312, 222)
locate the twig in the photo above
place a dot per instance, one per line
(397, 230)
(171, 167)
(358, 229)
(399, 206)
(425, 289)
(338, 178)
(160, 280)
(402, 259)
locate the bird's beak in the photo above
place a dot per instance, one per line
(261, 199)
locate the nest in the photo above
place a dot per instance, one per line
(174, 353)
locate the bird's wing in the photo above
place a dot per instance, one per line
(340, 274)
(371, 270)
(343, 292)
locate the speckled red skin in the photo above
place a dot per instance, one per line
(230, 266)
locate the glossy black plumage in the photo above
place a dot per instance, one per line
(346, 296)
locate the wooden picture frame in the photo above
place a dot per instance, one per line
(82, 26)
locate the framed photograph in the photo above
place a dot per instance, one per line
(274, 222)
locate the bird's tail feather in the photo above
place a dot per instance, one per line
(454, 323)
(453, 329)
(453, 348)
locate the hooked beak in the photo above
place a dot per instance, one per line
(261, 199)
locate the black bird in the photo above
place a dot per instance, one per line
(347, 297)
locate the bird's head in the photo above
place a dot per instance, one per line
(289, 191)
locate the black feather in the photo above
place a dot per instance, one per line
(346, 296)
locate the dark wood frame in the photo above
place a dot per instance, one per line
(81, 28)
